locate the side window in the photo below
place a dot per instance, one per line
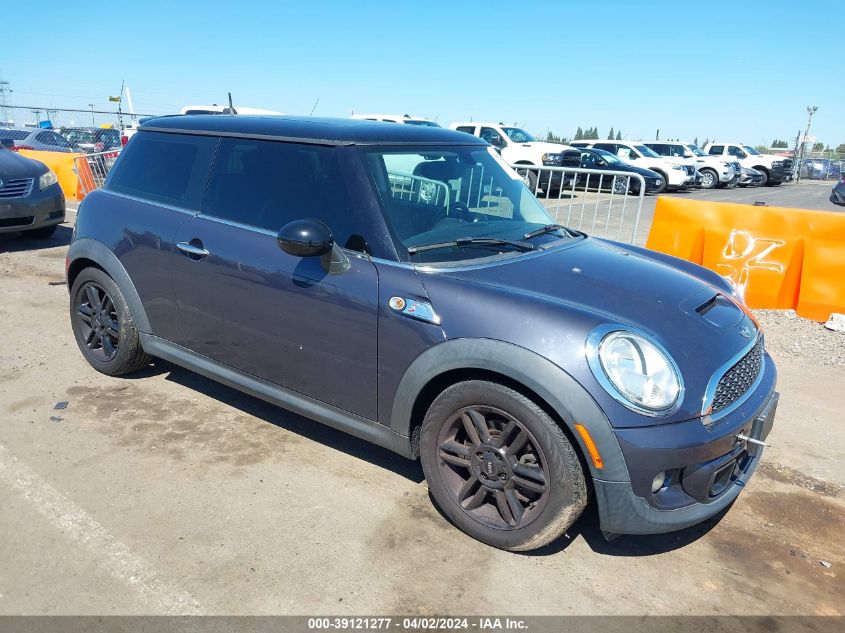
(663, 150)
(589, 160)
(733, 150)
(161, 167)
(716, 150)
(491, 136)
(469, 129)
(267, 184)
(51, 138)
(608, 147)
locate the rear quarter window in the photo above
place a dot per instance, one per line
(716, 150)
(16, 135)
(168, 168)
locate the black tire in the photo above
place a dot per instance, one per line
(41, 234)
(665, 184)
(529, 177)
(765, 172)
(709, 179)
(522, 484)
(103, 325)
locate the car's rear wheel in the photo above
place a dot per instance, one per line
(103, 325)
(499, 467)
(41, 234)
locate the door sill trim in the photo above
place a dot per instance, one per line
(339, 419)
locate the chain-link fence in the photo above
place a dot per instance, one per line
(62, 118)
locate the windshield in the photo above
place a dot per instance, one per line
(441, 194)
(695, 149)
(751, 150)
(647, 151)
(518, 135)
(609, 157)
(421, 122)
(80, 136)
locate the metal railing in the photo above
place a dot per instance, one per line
(600, 202)
(92, 169)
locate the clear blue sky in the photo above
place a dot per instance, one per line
(715, 69)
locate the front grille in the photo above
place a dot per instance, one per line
(739, 378)
(17, 188)
(690, 169)
(787, 164)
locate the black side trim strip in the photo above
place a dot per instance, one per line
(339, 419)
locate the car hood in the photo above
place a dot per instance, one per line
(561, 295)
(13, 165)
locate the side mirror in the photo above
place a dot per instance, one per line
(310, 238)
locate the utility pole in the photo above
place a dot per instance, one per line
(4, 89)
(91, 105)
(811, 110)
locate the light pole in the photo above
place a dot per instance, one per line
(811, 110)
(91, 105)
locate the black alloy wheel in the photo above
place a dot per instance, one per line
(99, 321)
(493, 467)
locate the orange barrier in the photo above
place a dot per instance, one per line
(62, 163)
(777, 257)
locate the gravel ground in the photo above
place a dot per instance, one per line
(789, 335)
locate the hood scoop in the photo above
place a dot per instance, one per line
(720, 312)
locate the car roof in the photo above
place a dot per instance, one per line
(314, 130)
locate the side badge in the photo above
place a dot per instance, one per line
(419, 310)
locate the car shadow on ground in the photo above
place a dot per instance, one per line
(15, 242)
(285, 419)
(628, 545)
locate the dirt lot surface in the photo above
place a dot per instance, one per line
(167, 493)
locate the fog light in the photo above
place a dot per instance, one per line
(658, 481)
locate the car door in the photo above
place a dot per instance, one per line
(245, 303)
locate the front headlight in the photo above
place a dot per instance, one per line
(681, 167)
(552, 159)
(47, 179)
(635, 371)
(777, 163)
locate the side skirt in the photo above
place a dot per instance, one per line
(339, 419)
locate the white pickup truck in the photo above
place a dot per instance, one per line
(405, 119)
(518, 147)
(677, 172)
(775, 169)
(716, 171)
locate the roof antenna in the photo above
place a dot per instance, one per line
(231, 107)
(315, 106)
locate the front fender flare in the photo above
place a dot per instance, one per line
(551, 383)
(97, 252)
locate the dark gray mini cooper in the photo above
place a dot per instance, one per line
(401, 284)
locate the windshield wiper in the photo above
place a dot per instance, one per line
(472, 241)
(549, 228)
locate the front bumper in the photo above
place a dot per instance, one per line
(38, 209)
(706, 467)
(780, 174)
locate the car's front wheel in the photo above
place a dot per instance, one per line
(103, 325)
(500, 467)
(709, 179)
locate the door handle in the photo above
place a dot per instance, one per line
(196, 251)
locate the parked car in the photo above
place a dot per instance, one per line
(516, 358)
(837, 194)
(714, 171)
(31, 200)
(750, 177)
(37, 138)
(603, 160)
(92, 139)
(518, 147)
(820, 168)
(677, 173)
(775, 169)
(405, 119)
